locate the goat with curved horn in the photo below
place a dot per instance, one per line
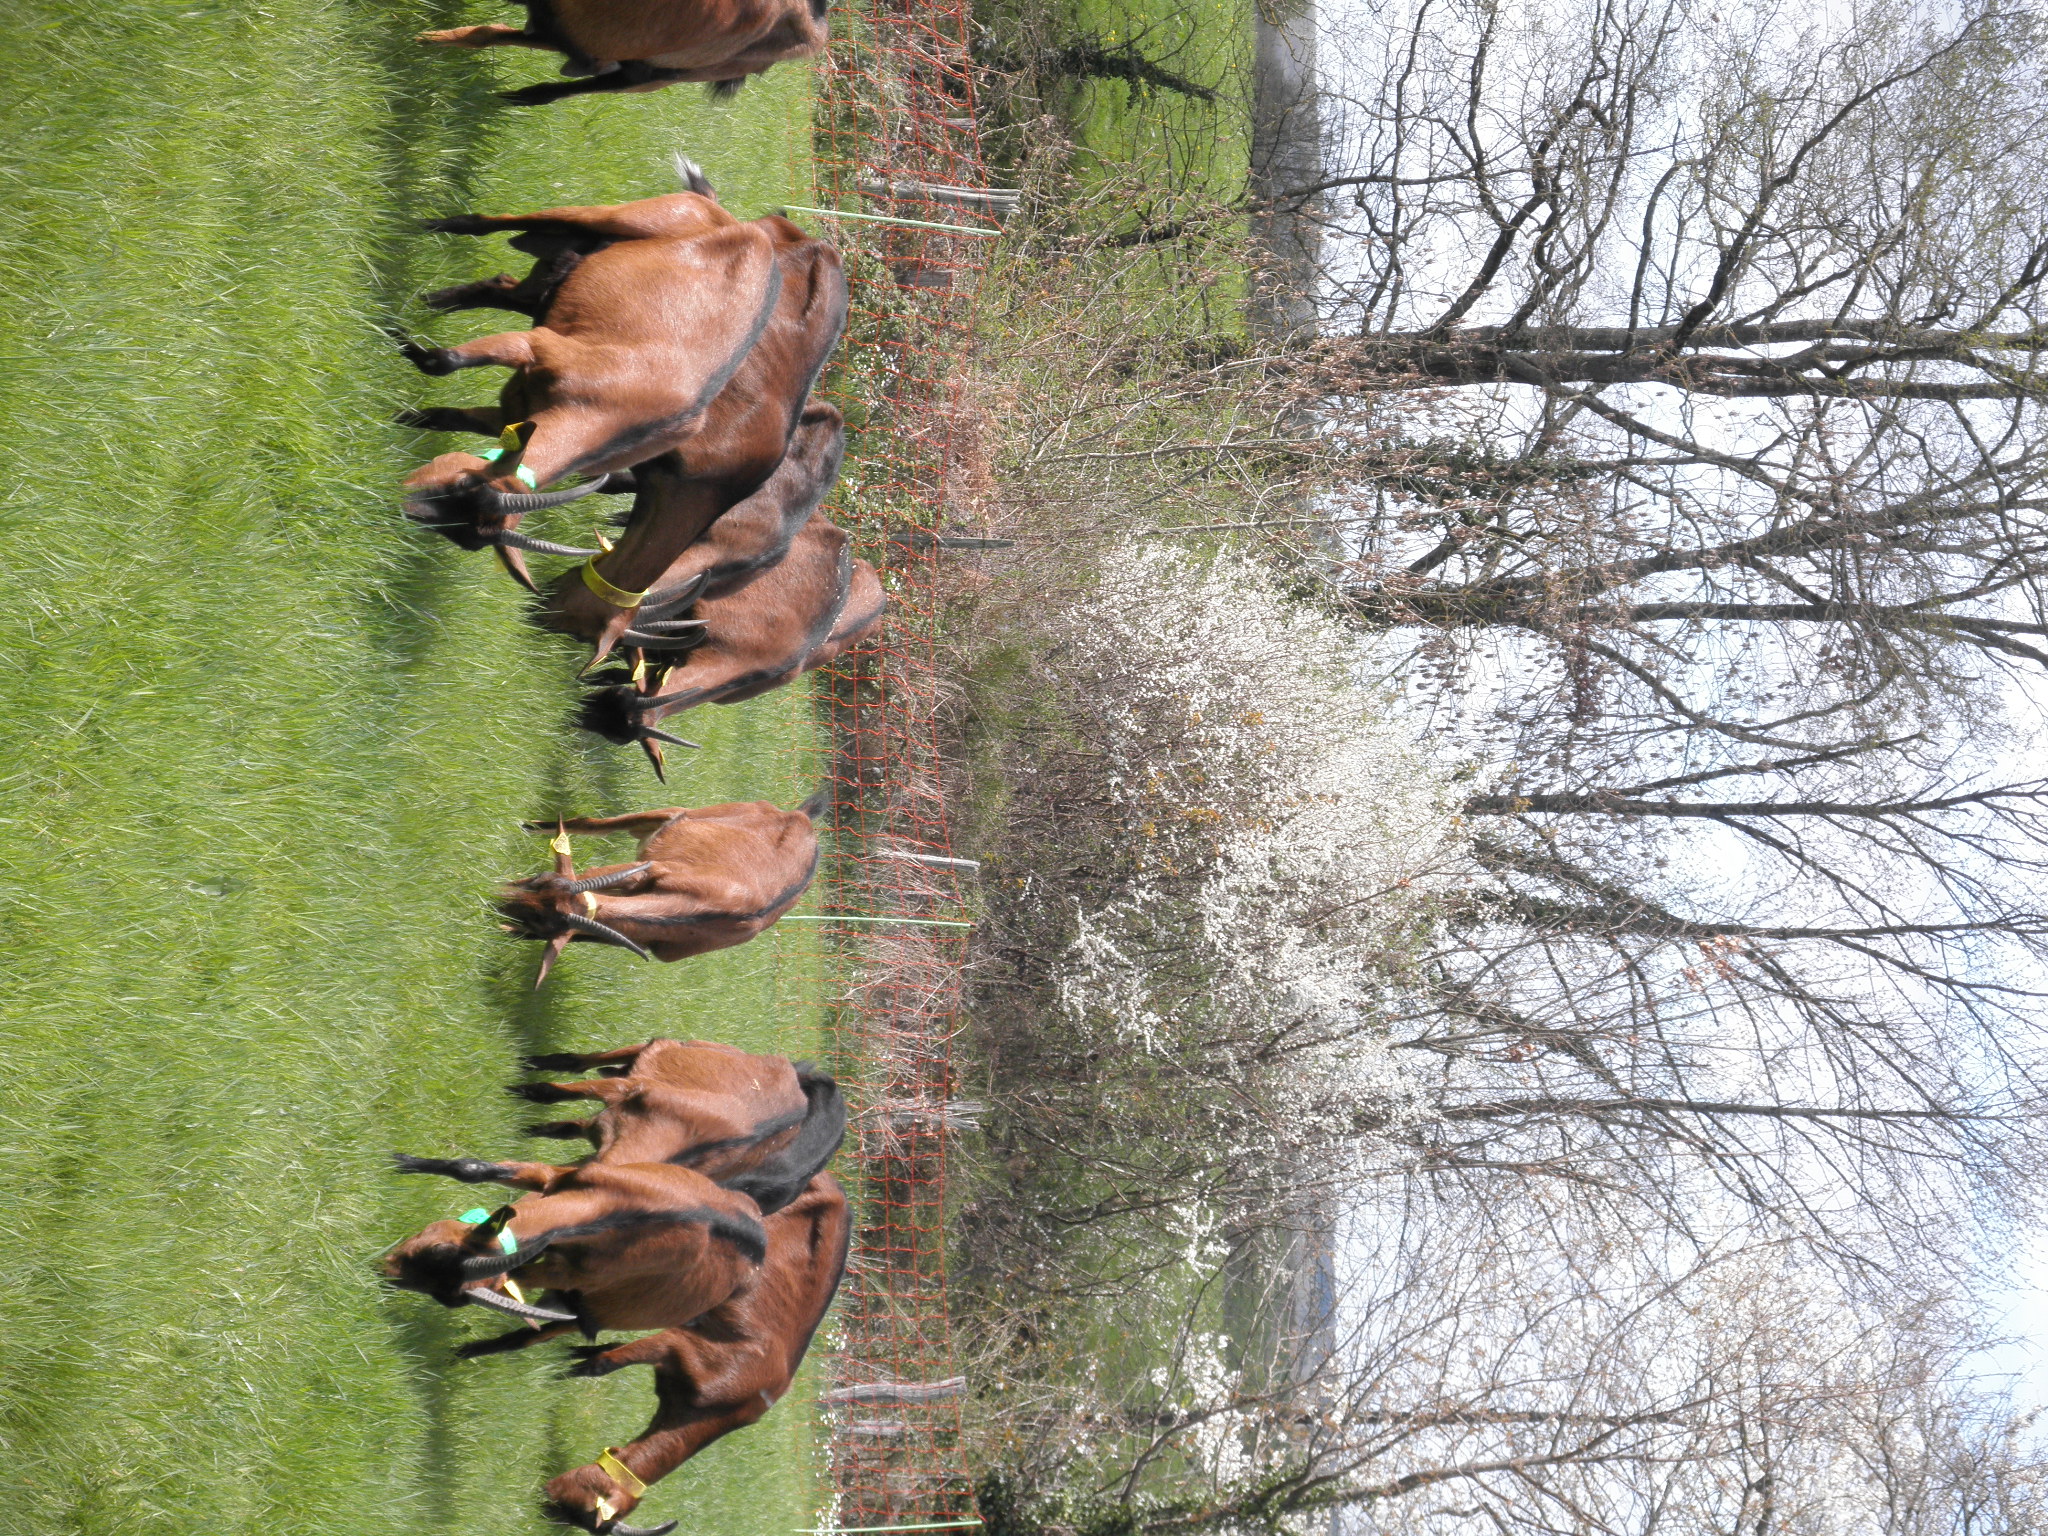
(803, 612)
(645, 312)
(706, 879)
(756, 1126)
(721, 1373)
(625, 1245)
(698, 525)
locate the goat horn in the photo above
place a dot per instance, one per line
(601, 882)
(485, 1266)
(514, 563)
(555, 947)
(538, 501)
(597, 930)
(517, 540)
(498, 1301)
(620, 1528)
(620, 482)
(653, 751)
(676, 597)
(654, 626)
(652, 642)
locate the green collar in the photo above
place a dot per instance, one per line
(525, 476)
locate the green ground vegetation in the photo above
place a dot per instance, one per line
(264, 748)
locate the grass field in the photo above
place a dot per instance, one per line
(263, 750)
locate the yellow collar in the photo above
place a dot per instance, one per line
(609, 1464)
(618, 597)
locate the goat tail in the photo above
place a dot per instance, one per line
(692, 176)
(820, 801)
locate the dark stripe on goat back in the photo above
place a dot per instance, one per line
(691, 1157)
(786, 898)
(742, 1232)
(636, 437)
(795, 512)
(780, 1178)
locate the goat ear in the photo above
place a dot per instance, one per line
(515, 564)
(512, 446)
(553, 953)
(615, 628)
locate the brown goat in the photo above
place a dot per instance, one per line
(759, 1124)
(800, 613)
(643, 45)
(740, 544)
(708, 879)
(620, 1245)
(672, 340)
(720, 1373)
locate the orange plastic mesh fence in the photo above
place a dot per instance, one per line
(895, 142)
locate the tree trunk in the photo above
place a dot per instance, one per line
(1287, 154)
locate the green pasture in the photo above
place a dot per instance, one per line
(264, 747)
(1173, 140)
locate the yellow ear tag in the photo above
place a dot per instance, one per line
(604, 1511)
(510, 440)
(604, 545)
(559, 843)
(639, 668)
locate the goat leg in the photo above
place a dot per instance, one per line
(564, 1130)
(484, 420)
(507, 349)
(501, 292)
(603, 1359)
(518, 1338)
(631, 75)
(492, 35)
(605, 1088)
(584, 1061)
(470, 1170)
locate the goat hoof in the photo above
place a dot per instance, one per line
(433, 361)
(402, 1162)
(589, 1362)
(559, 1130)
(538, 1093)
